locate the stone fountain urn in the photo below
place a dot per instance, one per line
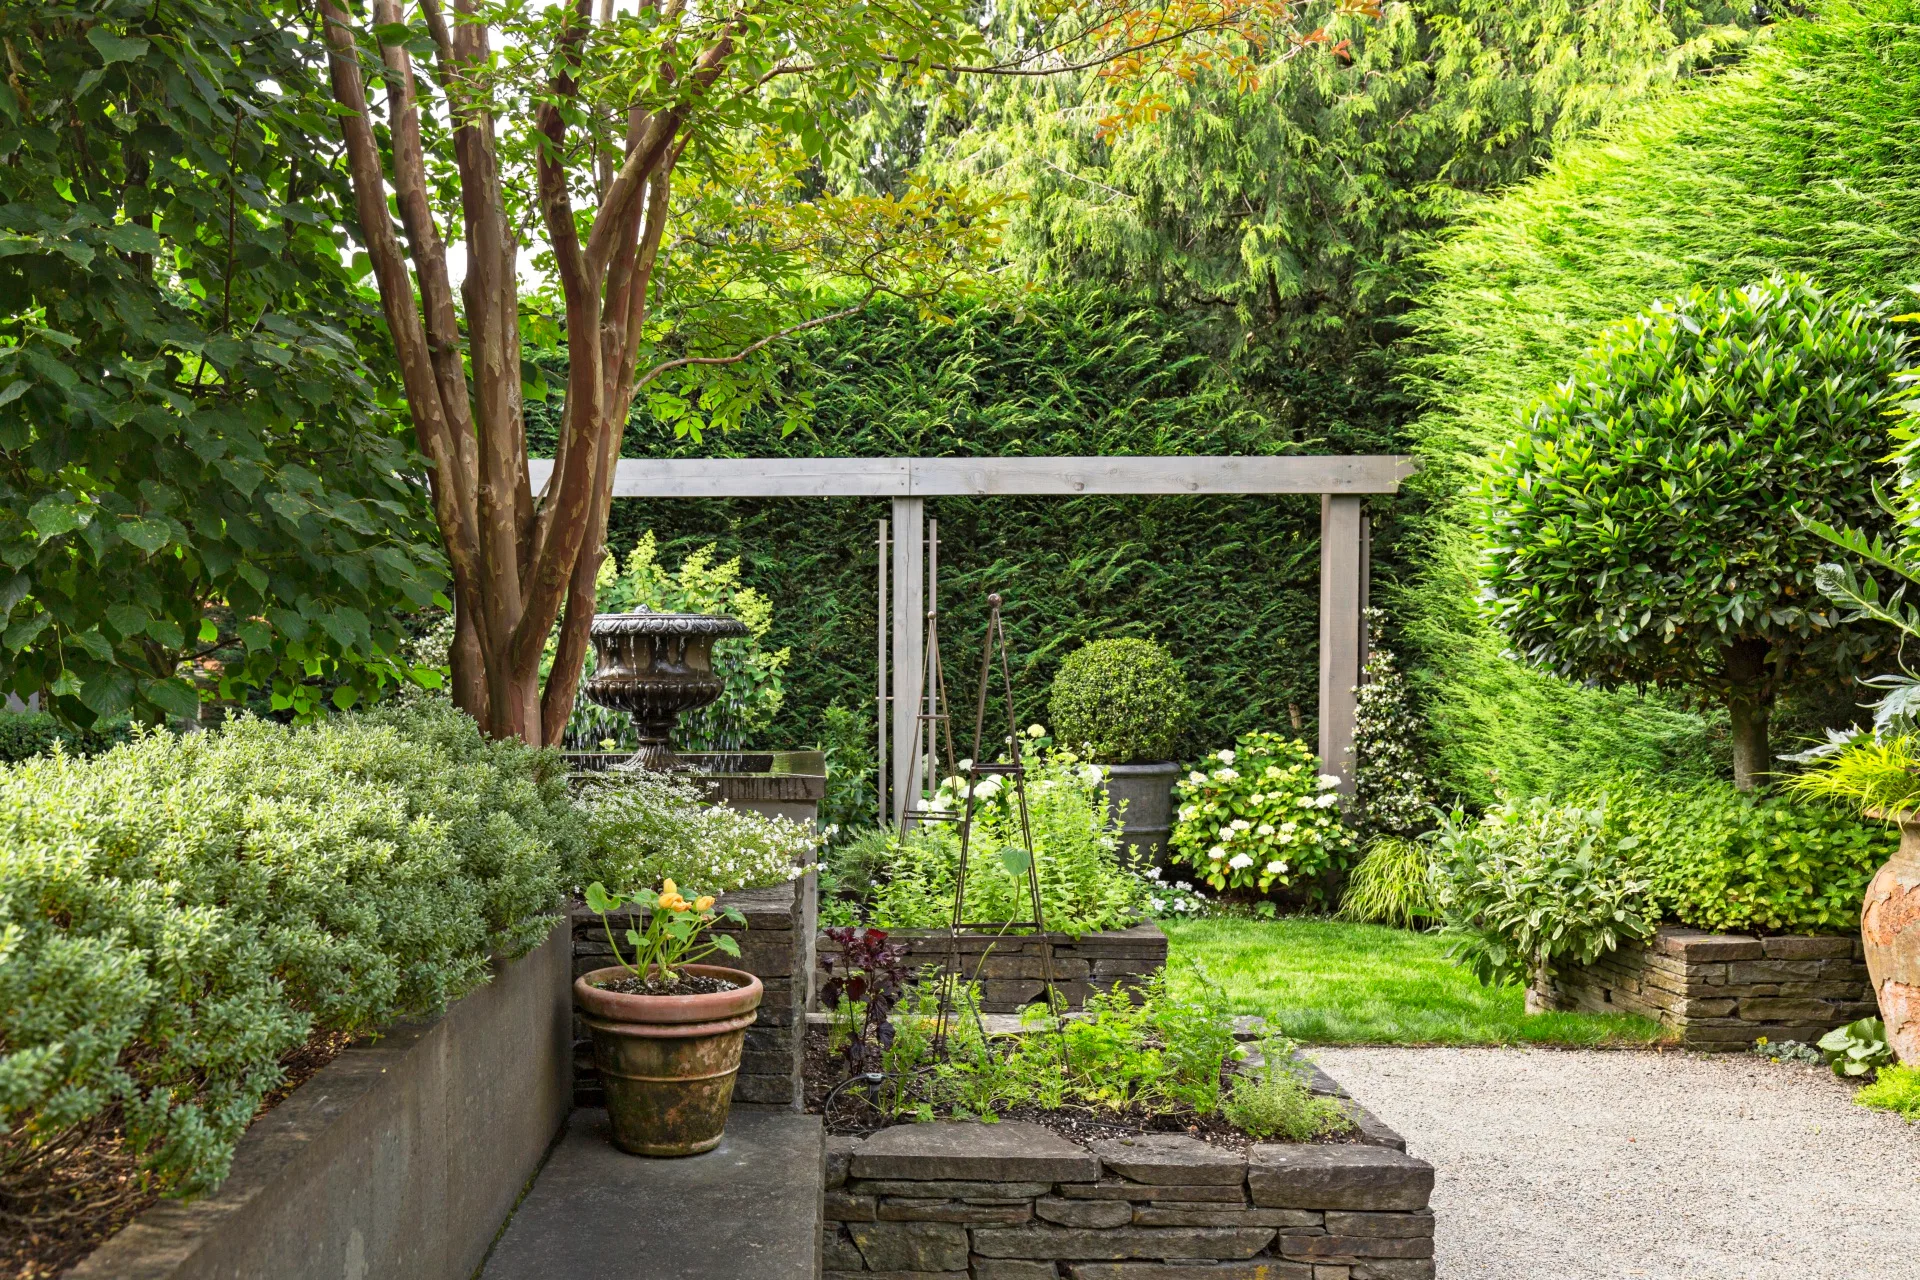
(653, 666)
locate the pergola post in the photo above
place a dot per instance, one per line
(909, 646)
(1342, 596)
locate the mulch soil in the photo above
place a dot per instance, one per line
(853, 1114)
(690, 984)
(97, 1186)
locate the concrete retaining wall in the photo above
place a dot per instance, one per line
(401, 1158)
(1721, 991)
(1009, 969)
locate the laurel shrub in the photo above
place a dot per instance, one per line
(180, 912)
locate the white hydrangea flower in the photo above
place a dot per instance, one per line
(1217, 852)
(1240, 861)
(1225, 775)
(1305, 802)
(1188, 813)
(1264, 829)
(1153, 873)
(1196, 777)
(1258, 797)
(1273, 771)
(1240, 824)
(1224, 757)
(1328, 782)
(1328, 799)
(1275, 867)
(1036, 731)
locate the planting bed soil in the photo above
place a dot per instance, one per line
(98, 1181)
(690, 984)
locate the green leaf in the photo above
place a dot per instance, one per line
(115, 48)
(176, 697)
(54, 515)
(724, 942)
(147, 534)
(599, 900)
(1016, 860)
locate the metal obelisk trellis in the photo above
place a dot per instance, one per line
(1014, 769)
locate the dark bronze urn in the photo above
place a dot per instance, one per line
(653, 666)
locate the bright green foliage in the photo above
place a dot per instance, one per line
(1858, 1048)
(1323, 981)
(32, 733)
(1798, 161)
(1895, 1089)
(1120, 702)
(1260, 815)
(1720, 860)
(1086, 884)
(181, 911)
(1650, 526)
(643, 827)
(752, 674)
(1293, 204)
(194, 460)
(1154, 1050)
(1229, 584)
(1392, 884)
(1273, 1100)
(1867, 774)
(1531, 883)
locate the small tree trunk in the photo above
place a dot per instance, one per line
(1749, 704)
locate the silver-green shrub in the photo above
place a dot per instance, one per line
(178, 913)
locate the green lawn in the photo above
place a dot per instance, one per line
(1328, 982)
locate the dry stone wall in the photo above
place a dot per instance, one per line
(1015, 1201)
(1721, 991)
(1011, 972)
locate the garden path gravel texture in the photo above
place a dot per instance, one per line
(1613, 1165)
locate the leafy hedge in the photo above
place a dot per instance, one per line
(177, 914)
(1228, 584)
(31, 733)
(1801, 160)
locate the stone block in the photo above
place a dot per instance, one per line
(1171, 1159)
(1219, 1215)
(911, 1246)
(1012, 1269)
(840, 1149)
(894, 1275)
(1084, 1213)
(842, 1207)
(1343, 1223)
(1771, 1009)
(1808, 948)
(1695, 945)
(773, 1091)
(1114, 1189)
(839, 1253)
(1008, 1152)
(1694, 1008)
(1389, 1269)
(1748, 971)
(1257, 1269)
(950, 1189)
(1308, 1176)
(896, 1210)
(1346, 1248)
(1171, 1244)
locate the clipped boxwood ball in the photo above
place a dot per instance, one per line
(1120, 701)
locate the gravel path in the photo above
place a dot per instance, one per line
(1564, 1165)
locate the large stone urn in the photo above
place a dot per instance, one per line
(653, 666)
(1890, 930)
(1147, 816)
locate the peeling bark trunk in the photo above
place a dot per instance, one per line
(1749, 706)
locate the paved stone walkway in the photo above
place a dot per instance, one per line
(1578, 1165)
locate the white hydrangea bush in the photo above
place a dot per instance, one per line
(643, 828)
(1260, 815)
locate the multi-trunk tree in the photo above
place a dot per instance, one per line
(655, 171)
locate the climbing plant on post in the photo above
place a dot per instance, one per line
(667, 155)
(1652, 526)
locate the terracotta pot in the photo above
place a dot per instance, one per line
(1890, 930)
(668, 1062)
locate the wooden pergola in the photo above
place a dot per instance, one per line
(1343, 482)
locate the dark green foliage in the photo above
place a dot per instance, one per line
(33, 733)
(178, 913)
(1802, 160)
(193, 458)
(1719, 860)
(1120, 702)
(1228, 584)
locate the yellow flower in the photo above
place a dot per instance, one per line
(703, 902)
(668, 889)
(666, 899)
(679, 903)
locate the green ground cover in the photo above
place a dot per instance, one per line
(1330, 982)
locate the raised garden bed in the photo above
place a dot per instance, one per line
(1721, 991)
(1008, 969)
(1016, 1201)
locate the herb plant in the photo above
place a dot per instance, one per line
(1261, 815)
(1120, 702)
(1273, 1100)
(1533, 882)
(677, 932)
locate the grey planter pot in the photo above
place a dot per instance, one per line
(1147, 790)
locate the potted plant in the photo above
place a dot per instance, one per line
(667, 1032)
(1124, 704)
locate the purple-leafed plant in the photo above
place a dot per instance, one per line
(864, 983)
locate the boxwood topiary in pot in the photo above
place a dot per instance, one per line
(1124, 703)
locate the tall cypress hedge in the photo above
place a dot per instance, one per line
(1807, 158)
(1229, 584)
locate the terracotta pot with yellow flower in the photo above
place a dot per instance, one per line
(667, 1031)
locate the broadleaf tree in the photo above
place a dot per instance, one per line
(1658, 522)
(662, 170)
(205, 488)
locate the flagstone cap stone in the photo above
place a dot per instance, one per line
(1321, 1176)
(1011, 1151)
(1171, 1159)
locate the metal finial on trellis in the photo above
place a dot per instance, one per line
(1014, 770)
